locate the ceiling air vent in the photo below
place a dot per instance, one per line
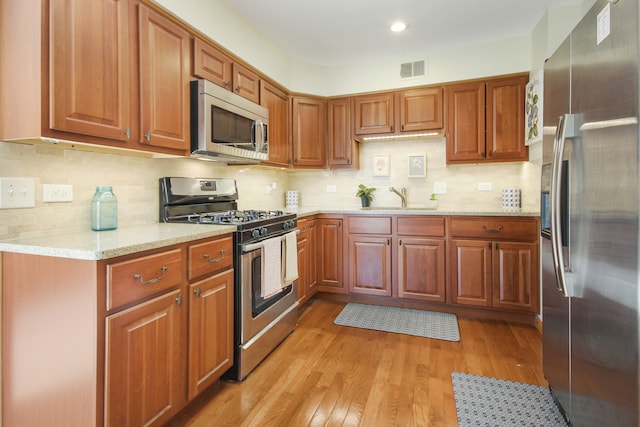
(412, 69)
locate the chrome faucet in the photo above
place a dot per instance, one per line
(402, 194)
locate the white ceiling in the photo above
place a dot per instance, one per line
(341, 32)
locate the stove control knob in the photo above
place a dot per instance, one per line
(288, 224)
(255, 234)
(263, 231)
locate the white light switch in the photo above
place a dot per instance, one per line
(17, 193)
(331, 189)
(485, 186)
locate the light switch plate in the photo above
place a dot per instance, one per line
(331, 189)
(17, 193)
(440, 187)
(57, 193)
(485, 186)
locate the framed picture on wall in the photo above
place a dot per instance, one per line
(417, 166)
(533, 110)
(381, 166)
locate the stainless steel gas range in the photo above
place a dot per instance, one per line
(261, 321)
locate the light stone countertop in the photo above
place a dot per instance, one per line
(303, 211)
(97, 245)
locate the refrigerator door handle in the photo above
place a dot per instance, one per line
(565, 130)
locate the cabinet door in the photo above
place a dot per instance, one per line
(313, 270)
(277, 102)
(465, 122)
(309, 146)
(374, 114)
(505, 119)
(211, 64)
(90, 68)
(210, 330)
(421, 264)
(164, 82)
(515, 276)
(329, 254)
(145, 363)
(471, 272)
(341, 143)
(421, 109)
(370, 265)
(303, 268)
(246, 83)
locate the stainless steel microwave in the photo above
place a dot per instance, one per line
(227, 127)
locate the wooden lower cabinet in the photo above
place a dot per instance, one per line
(370, 265)
(210, 331)
(306, 260)
(127, 341)
(145, 364)
(329, 259)
(499, 272)
(471, 272)
(421, 269)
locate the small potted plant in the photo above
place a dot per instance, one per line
(365, 194)
(432, 203)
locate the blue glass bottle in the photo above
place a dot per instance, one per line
(104, 209)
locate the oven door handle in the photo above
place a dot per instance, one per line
(258, 245)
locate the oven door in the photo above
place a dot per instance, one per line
(257, 312)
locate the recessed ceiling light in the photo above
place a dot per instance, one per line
(398, 26)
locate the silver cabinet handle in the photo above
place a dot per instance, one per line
(147, 135)
(138, 276)
(127, 133)
(214, 260)
(197, 291)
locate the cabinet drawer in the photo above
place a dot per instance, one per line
(369, 225)
(495, 228)
(421, 226)
(210, 257)
(136, 279)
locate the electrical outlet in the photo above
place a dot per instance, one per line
(485, 186)
(57, 193)
(440, 187)
(331, 189)
(17, 193)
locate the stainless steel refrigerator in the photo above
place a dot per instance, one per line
(589, 219)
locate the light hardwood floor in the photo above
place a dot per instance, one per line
(329, 375)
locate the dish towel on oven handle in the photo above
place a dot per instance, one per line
(271, 267)
(290, 258)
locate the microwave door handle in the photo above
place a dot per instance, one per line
(258, 140)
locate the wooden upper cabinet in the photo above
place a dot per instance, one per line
(164, 81)
(485, 120)
(421, 110)
(465, 122)
(246, 83)
(277, 102)
(308, 132)
(214, 65)
(374, 114)
(505, 119)
(342, 146)
(90, 69)
(211, 64)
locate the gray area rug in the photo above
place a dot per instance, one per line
(428, 324)
(484, 401)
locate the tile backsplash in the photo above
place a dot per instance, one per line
(135, 183)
